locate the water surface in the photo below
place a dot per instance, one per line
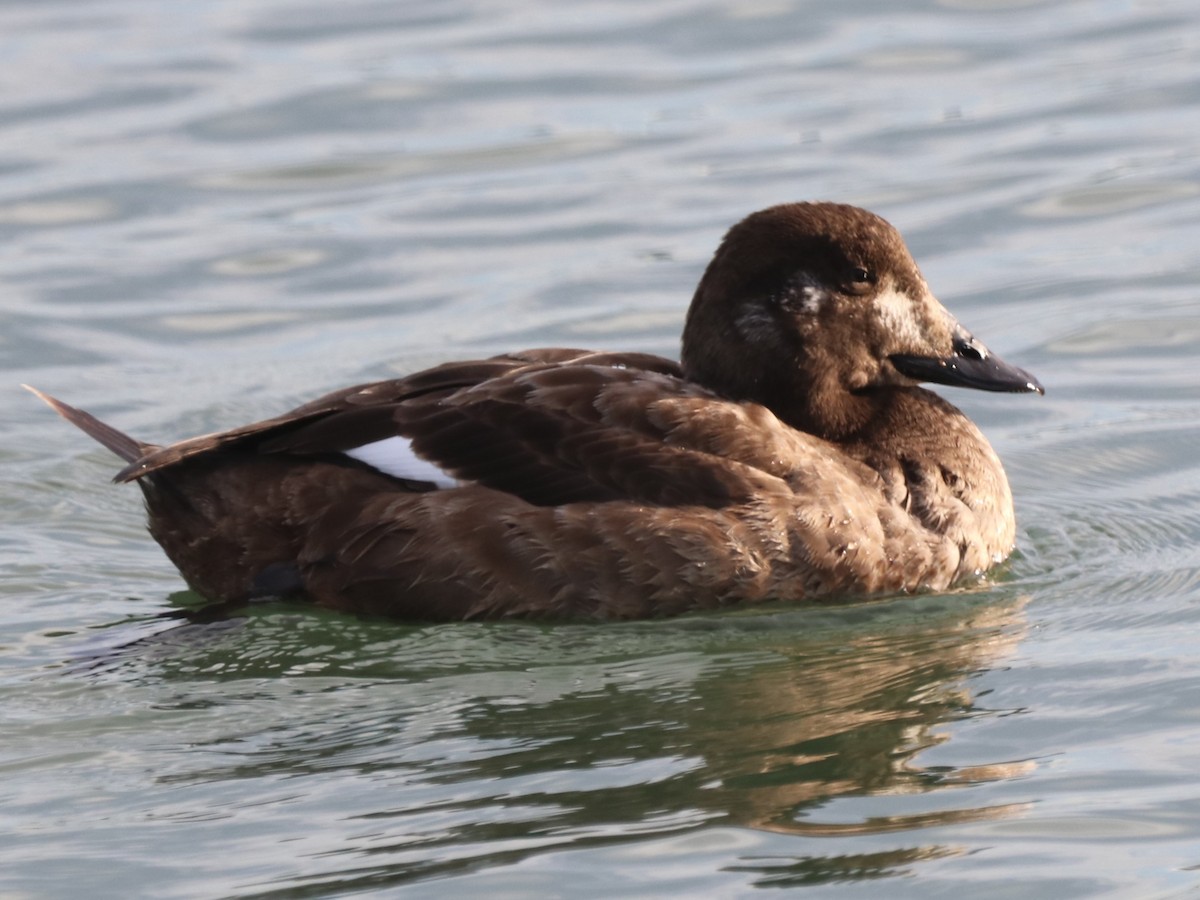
(210, 212)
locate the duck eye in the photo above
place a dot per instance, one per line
(858, 281)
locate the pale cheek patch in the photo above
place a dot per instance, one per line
(811, 299)
(898, 315)
(394, 456)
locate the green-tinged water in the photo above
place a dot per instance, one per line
(211, 212)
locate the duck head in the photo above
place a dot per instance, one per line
(818, 311)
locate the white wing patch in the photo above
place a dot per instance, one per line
(395, 456)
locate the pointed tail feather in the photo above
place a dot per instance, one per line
(118, 442)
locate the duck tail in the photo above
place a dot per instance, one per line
(129, 449)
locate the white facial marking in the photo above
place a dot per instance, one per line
(395, 456)
(757, 323)
(897, 312)
(810, 299)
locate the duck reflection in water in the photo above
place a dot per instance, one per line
(484, 745)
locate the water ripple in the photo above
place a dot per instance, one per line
(213, 212)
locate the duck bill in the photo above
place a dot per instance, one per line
(970, 365)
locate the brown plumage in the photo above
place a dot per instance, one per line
(790, 456)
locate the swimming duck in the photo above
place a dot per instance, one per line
(789, 455)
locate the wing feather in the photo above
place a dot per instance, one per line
(548, 426)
